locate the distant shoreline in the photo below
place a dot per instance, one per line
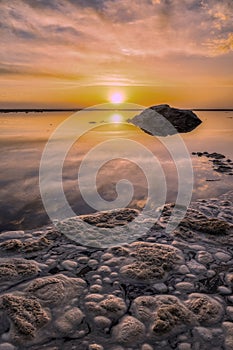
(42, 110)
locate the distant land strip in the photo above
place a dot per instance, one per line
(42, 110)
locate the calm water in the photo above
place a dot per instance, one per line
(24, 136)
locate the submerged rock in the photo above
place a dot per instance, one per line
(150, 262)
(15, 269)
(26, 315)
(163, 120)
(56, 290)
(207, 309)
(129, 330)
(164, 315)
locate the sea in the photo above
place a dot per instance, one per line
(93, 160)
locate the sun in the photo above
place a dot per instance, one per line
(117, 97)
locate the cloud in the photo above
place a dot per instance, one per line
(111, 38)
(222, 46)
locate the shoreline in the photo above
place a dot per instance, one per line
(159, 290)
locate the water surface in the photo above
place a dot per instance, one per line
(24, 136)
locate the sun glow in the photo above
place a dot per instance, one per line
(117, 97)
(116, 118)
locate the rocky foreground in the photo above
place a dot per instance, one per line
(163, 291)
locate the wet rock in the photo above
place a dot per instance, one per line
(229, 311)
(146, 347)
(129, 331)
(165, 315)
(160, 287)
(171, 317)
(203, 333)
(228, 327)
(13, 235)
(196, 267)
(215, 155)
(106, 305)
(7, 346)
(57, 289)
(69, 321)
(207, 310)
(150, 261)
(102, 322)
(222, 256)
(163, 120)
(93, 229)
(16, 269)
(69, 265)
(95, 347)
(224, 290)
(26, 315)
(111, 218)
(204, 257)
(207, 225)
(185, 286)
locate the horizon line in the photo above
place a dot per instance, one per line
(41, 110)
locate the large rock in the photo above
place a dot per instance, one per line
(163, 120)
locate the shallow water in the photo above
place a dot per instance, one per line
(24, 136)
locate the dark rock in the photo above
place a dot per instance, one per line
(215, 155)
(163, 120)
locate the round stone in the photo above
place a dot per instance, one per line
(69, 264)
(229, 311)
(224, 290)
(204, 257)
(160, 287)
(184, 346)
(222, 256)
(184, 286)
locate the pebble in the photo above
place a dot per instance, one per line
(222, 256)
(211, 273)
(96, 288)
(185, 286)
(104, 269)
(195, 267)
(196, 247)
(183, 269)
(229, 311)
(95, 347)
(107, 256)
(102, 322)
(92, 263)
(114, 275)
(160, 287)
(14, 234)
(107, 280)
(184, 346)
(69, 264)
(7, 346)
(83, 260)
(224, 290)
(204, 257)
(203, 333)
(228, 327)
(147, 347)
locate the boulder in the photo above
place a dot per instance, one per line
(163, 120)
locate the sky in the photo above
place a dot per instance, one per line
(77, 53)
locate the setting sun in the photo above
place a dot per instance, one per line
(117, 97)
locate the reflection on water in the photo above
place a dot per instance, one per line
(23, 137)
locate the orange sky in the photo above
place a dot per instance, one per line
(76, 53)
